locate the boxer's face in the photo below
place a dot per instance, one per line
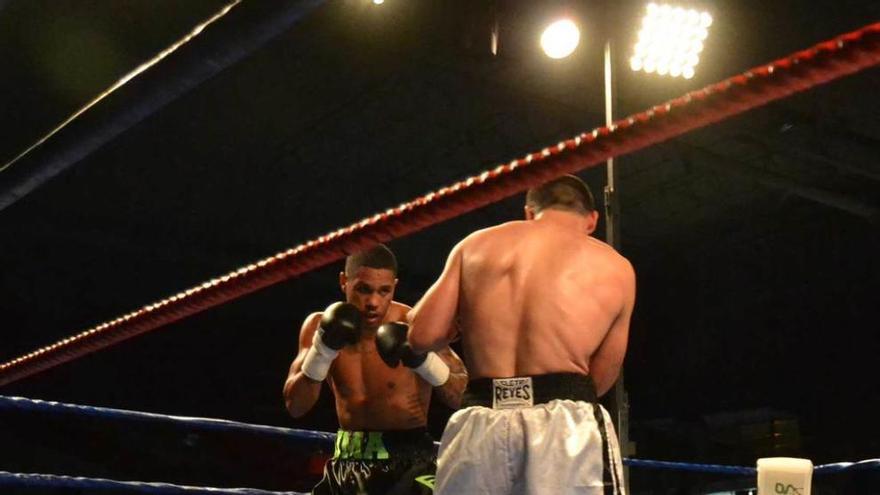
(371, 290)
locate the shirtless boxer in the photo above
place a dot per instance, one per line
(544, 311)
(383, 446)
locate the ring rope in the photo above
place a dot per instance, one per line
(844, 55)
(838, 467)
(208, 48)
(149, 64)
(691, 467)
(32, 480)
(327, 439)
(205, 424)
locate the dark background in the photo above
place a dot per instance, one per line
(755, 240)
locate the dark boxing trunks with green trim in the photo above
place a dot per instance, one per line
(381, 463)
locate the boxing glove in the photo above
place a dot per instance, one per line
(393, 348)
(340, 326)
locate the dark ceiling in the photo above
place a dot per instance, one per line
(755, 240)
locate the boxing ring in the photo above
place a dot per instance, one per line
(320, 442)
(841, 56)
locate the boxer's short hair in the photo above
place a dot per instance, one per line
(378, 256)
(567, 193)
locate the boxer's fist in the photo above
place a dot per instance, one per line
(409, 358)
(340, 325)
(393, 347)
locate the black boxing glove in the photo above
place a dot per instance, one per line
(390, 342)
(393, 348)
(340, 326)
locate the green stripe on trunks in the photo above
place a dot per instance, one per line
(427, 480)
(352, 445)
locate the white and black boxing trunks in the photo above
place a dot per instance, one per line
(530, 435)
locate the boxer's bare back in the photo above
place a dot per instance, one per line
(533, 297)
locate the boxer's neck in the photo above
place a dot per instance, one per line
(562, 218)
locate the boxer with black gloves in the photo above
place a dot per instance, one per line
(383, 445)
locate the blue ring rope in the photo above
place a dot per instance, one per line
(25, 404)
(55, 481)
(698, 468)
(35, 405)
(838, 467)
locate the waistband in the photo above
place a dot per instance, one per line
(525, 391)
(380, 445)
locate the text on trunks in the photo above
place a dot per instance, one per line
(508, 393)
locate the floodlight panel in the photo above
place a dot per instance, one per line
(670, 40)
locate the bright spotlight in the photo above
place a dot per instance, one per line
(560, 39)
(635, 63)
(378, 2)
(670, 41)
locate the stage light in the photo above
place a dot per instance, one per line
(670, 40)
(560, 38)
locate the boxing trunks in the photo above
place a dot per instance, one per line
(380, 463)
(530, 435)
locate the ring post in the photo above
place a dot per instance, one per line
(784, 476)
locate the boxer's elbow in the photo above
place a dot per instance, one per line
(430, 326)
(603, 386)
(604, 379)
(295, 410)
(427, 337)
(300, 396)
(420, 341)
(289, 402)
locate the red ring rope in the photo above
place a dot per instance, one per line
(824, 62)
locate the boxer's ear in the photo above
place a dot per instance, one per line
(530, 213)
(592, 221)
(342, 281)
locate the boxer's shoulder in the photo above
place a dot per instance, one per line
(309, 326)
(312, 320)
(493, 234)
(397, 311)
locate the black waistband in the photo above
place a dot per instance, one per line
(552, 386)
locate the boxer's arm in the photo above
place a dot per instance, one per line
(606, 362)
(451, 391)
(300, 391)
(432, 321)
